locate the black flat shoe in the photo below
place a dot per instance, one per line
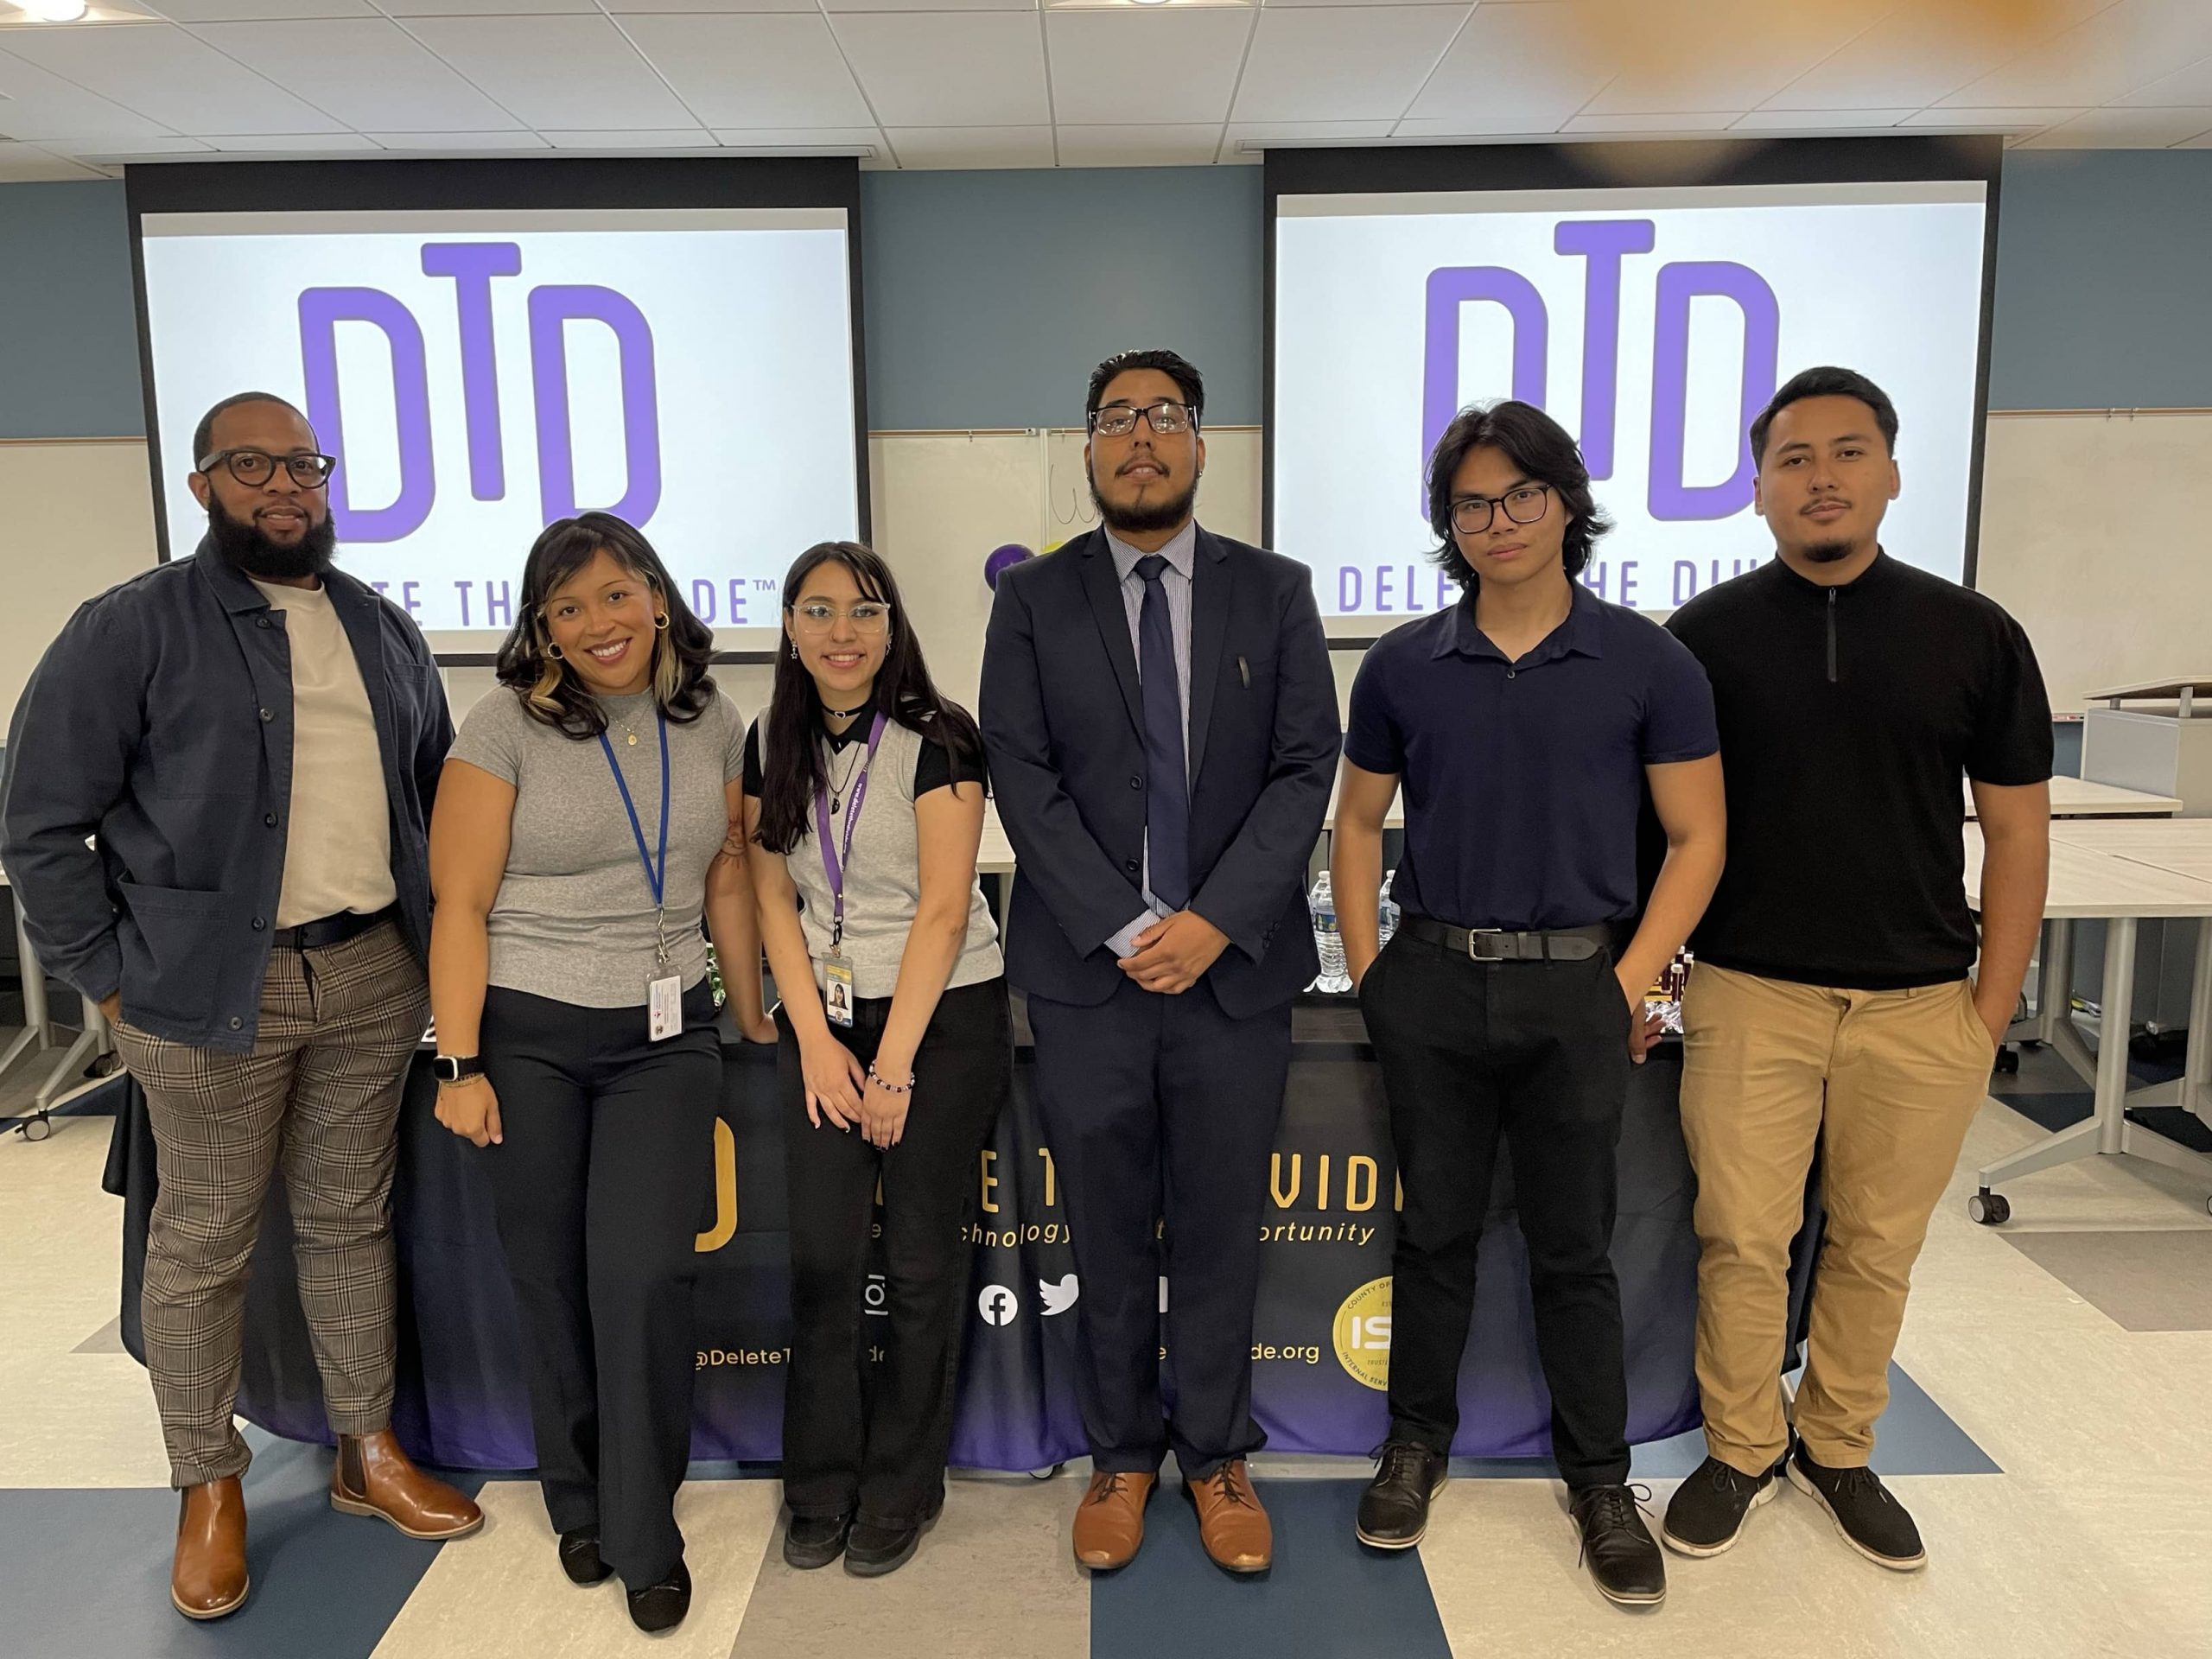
(580, 1557)
(872, 1551)
(662, 1606)
(815, 1541)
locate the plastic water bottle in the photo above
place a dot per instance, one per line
(1326, 940)
(1386, 911)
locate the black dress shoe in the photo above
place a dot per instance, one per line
(662, 1606)
(815, 1541)
(580, 1557)
(1618, 1548)
(1394, 1509)
(872, 1551)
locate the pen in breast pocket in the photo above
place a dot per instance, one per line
(1244, 673)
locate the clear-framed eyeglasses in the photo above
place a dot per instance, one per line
(869, 616)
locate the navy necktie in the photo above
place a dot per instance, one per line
(1167, 800)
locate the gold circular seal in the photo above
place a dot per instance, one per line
(1362, 1334)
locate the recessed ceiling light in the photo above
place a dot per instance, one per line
(1142, 2)
(55, 11)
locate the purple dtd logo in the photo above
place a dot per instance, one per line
(1605, 244)
(473, 265)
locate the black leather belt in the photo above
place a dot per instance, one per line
(333, 929)
(1495, 944)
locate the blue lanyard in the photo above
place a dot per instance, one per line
(655, 876)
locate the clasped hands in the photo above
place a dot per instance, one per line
(1173, 953)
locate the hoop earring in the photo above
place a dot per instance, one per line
(554, 651)
(661, 621)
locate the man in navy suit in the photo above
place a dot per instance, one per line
(1162, 727)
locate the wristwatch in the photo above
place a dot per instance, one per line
(457, 1068)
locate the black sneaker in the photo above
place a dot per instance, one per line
(1871, 1522)
(662, 1606)
(1707, 1512)
(580, 1557)
(815, 1541)
(1627, 1565)
(1394, 1509)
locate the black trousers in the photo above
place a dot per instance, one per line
(1536, 1052)
(601, 1185)
(867, 1438)
(1163, 1108)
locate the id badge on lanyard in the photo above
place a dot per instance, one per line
(664, 987)
(838, 996)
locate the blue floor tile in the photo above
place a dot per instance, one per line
(87, 1575)
(1328, 1597)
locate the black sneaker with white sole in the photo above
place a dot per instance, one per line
(1707, 1512)
(1871, 1522)
(1616, 1547)
(1394, 1509)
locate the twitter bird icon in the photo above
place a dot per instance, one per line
(1057, 1299)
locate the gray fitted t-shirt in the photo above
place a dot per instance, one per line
(573, 920)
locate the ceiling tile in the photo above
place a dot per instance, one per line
(1696, 56)
(761, 70)
(930, 5)
(480, 8)
(1114, 67)
(1919, 53)
(1941, 119)
(104, 154)
(2131, 129)
(1026, 146)
(1360, 63)
(1277, 4)
(1513, 69)
(464, 143)
(36, 104)
(27, 164)
(367, 72)
(570, 72)
(2188, 85)
(1773, 120)
(769, 138)
(1479, 124)
(619, 7)
(671, 138)
(164, 74)
(1627, 126)
(289, 143)
(246, 11)
(1165, 144)
(2102, 59)
(948, 68)
(1289, 134)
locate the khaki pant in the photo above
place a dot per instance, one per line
(1884, 1083)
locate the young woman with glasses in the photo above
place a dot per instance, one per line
(577, 842)
(864, 793)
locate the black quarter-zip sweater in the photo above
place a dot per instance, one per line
(1849, 716)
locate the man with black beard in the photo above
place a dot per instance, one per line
(252, 738)
(1162, 727)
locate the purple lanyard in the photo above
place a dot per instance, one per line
(833, 859)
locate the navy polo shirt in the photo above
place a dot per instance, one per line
(1522, 780)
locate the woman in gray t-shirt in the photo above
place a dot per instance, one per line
(864, 791)
(577, 845)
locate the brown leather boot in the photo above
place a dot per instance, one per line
(1231, 1521)
(209, 1578)
(1109, 1521)
(372, 1476)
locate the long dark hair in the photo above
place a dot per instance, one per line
(1538, 446)
(549, 691)
(792, 766)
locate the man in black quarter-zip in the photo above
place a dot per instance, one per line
(1834, 1002)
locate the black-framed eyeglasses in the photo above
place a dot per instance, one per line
(1164, 417)
(254, 467)
(1471, 514)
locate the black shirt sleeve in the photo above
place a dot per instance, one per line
(2012, 741)
(936, 769)
(752, 761)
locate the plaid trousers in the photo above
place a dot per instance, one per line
(320, 1094)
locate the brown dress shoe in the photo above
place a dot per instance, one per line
(1231, 1521)
(372, 1476)
(209, 1578)
(1109, 1521)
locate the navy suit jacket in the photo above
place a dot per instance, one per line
(1062, 719)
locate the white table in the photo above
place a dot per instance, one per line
(2092, 881)
(38, 1027)
(2078, 798)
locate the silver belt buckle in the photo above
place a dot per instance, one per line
(1474, 933)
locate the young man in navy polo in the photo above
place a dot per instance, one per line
(1524, 723)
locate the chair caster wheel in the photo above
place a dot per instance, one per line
(1990, 1209)
(2008, 1061)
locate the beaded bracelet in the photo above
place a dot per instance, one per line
(885, 1085)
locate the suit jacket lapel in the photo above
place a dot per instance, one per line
(1213, 581)
(1103, 585)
